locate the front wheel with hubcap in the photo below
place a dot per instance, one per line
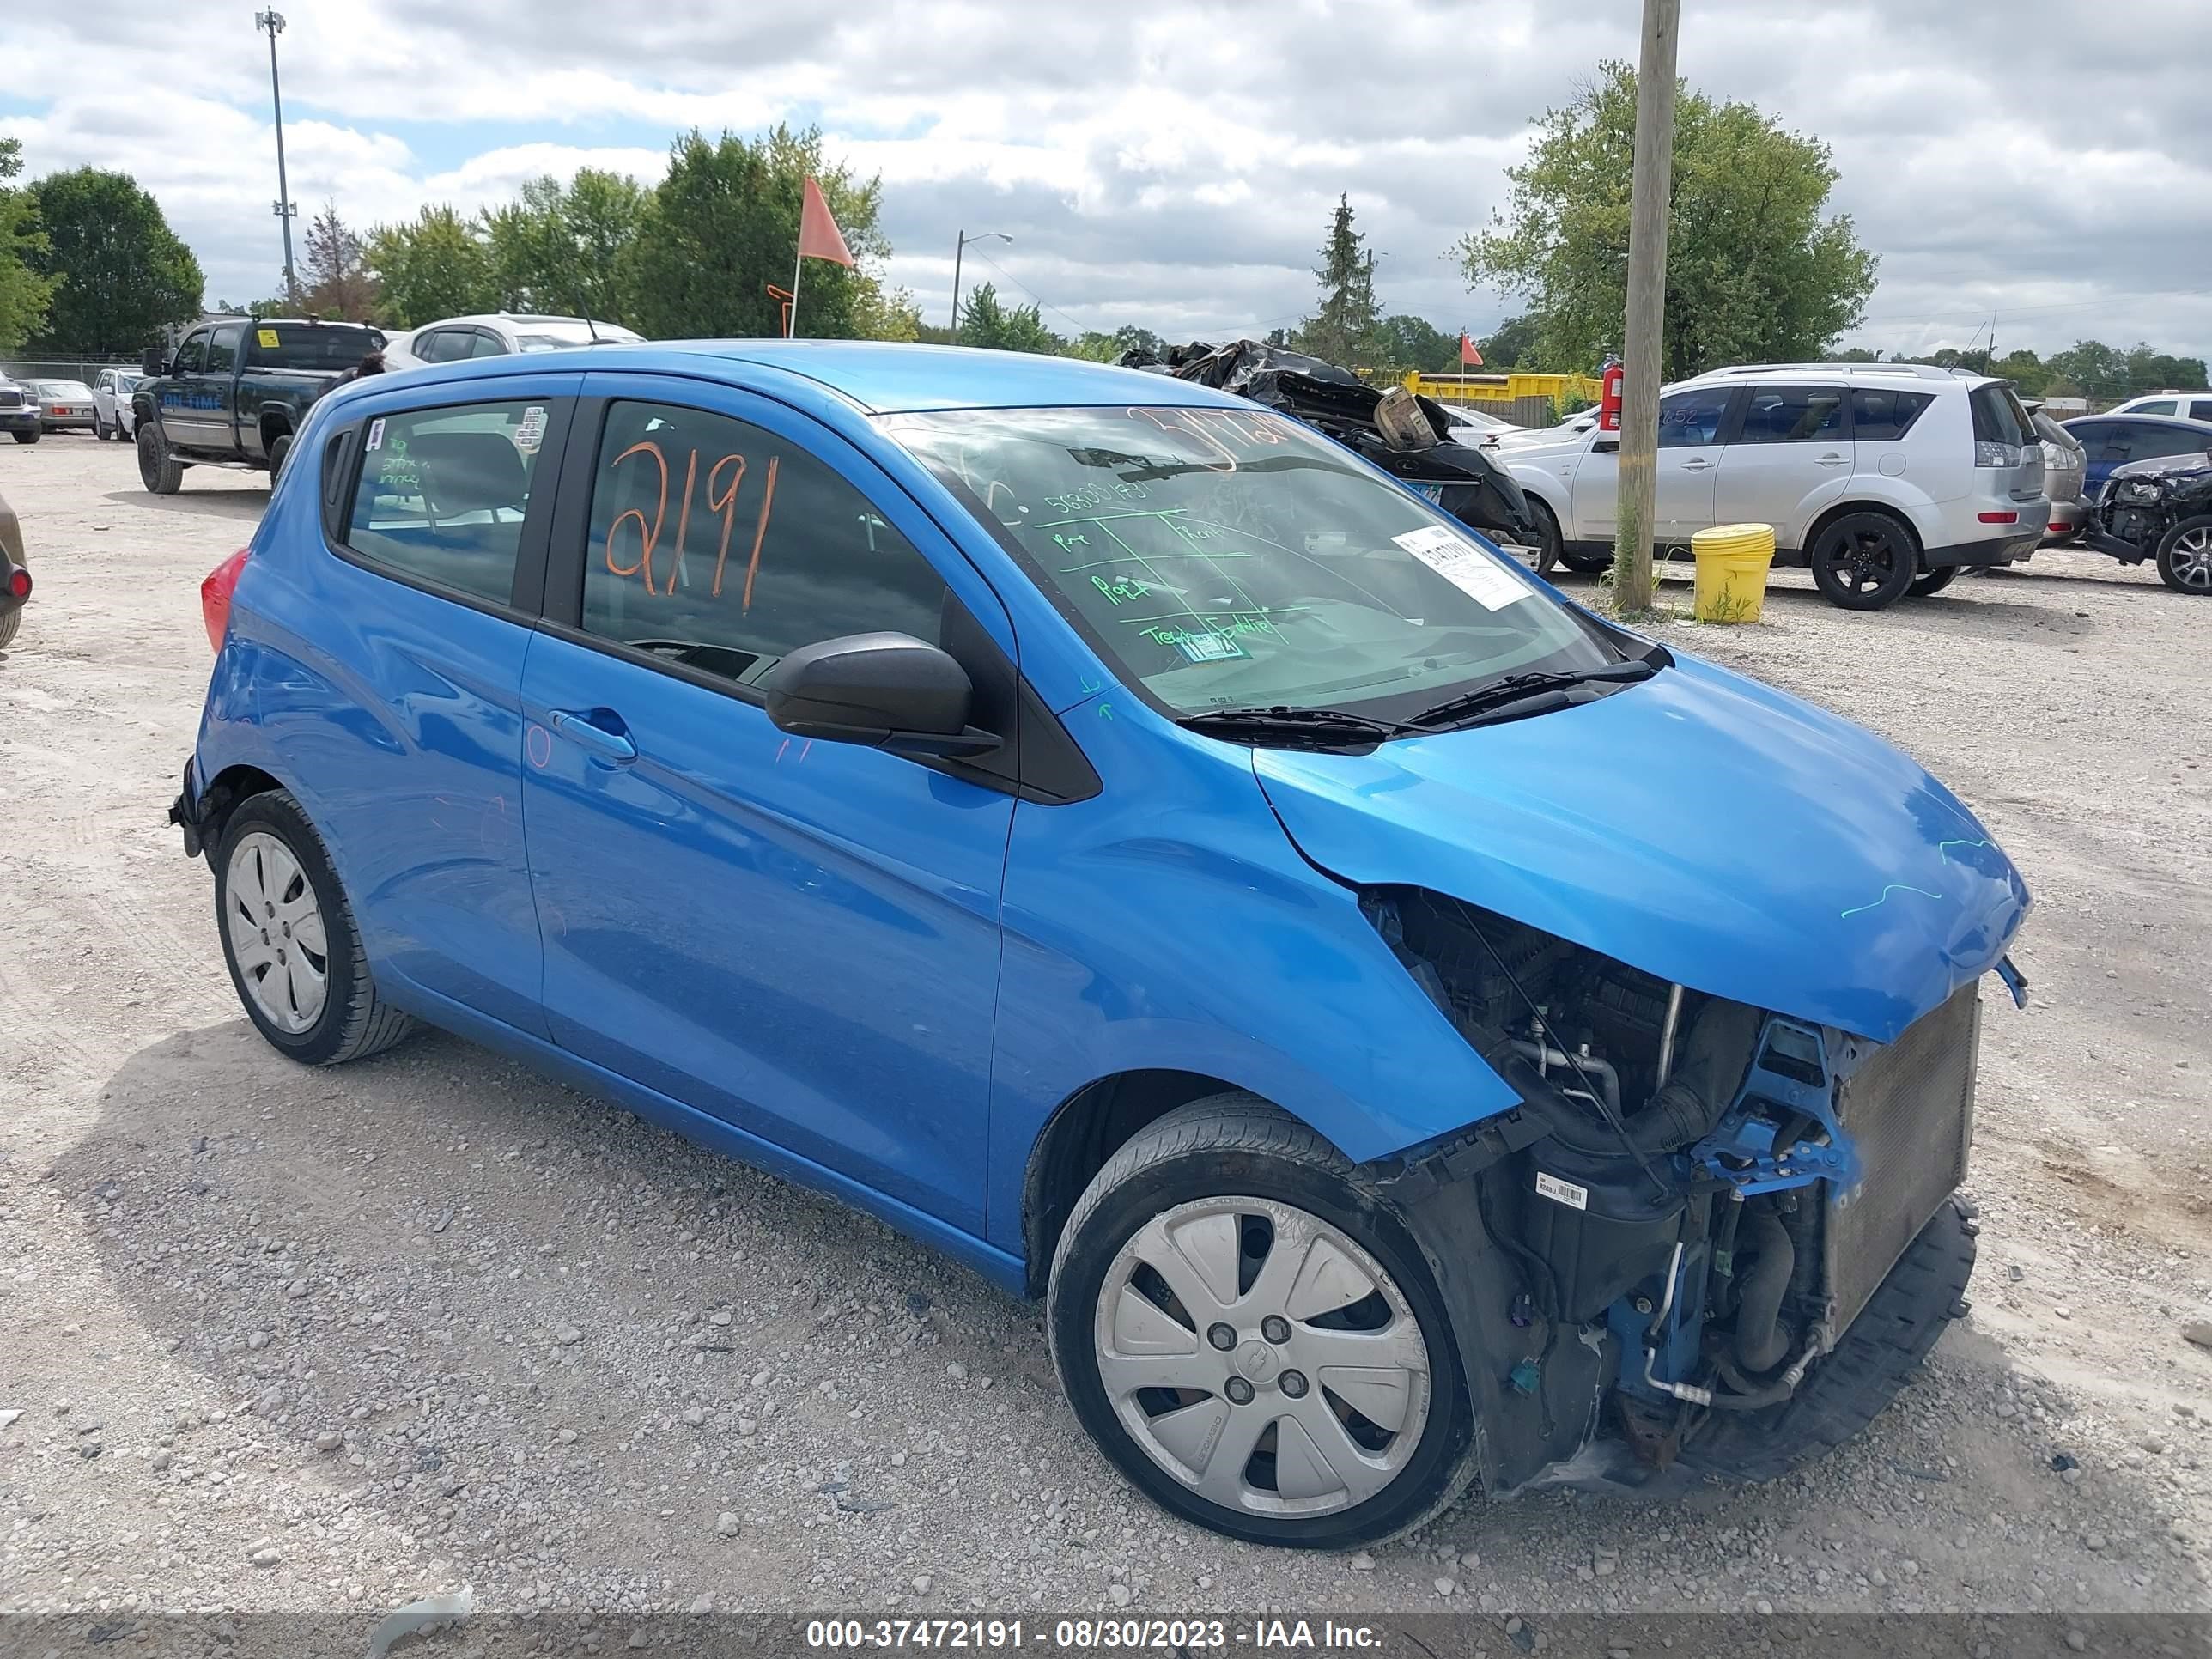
(158, 469)
(289, 940)
(1254, 1341)
(1864, 561)
(2185, 556)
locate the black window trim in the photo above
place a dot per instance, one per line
(1039, 745)
(526, 598)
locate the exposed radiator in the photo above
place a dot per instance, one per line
(1910, 1109)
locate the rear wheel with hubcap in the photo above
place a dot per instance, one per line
(2185, 556)
(289, 940)
(1254, 1342)
(1864, 561)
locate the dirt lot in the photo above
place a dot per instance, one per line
(278, 1338)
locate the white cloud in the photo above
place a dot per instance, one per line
(1173, 163)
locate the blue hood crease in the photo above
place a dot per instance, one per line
(1698, 825)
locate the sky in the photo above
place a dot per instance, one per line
(1174, 164)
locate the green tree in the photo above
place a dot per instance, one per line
(24, 294)
(724, 224)
(1341, 328)
(123, 277)
(1754, 271)
(1100, 347)
(1512, 345)
(336, 280)
(437, 265)
(564, 249)
(1400, 342)
(985, 322)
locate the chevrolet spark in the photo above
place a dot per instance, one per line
(1409, 1031)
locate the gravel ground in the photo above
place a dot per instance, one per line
(291, 1339)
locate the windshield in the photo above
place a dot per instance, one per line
(313, 346)
(1232, 558)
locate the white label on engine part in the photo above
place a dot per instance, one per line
(1465, 566)
(1562, 1192)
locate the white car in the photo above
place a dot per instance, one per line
(2190, 405)
(500, 334)
(110, 398)
(1883, 479)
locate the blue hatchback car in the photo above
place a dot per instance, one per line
(1411, 1031)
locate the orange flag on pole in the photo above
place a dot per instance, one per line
(818, 235)
(1468, 354)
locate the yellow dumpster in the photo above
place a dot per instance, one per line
(1733, 560)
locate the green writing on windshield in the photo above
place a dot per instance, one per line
(1242, 622)
(1122, 591)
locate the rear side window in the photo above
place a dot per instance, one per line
(484, 343)
(443, 493)
(2201, 410)
(2155, 441)
(1879, 415)
(223, 349)
(1793, 414)
(724, 547)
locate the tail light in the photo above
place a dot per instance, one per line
(214, 595)
(19, 583)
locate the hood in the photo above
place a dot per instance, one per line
(2167, 467)
(1696, 825)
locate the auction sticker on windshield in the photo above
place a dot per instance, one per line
(1464, 566)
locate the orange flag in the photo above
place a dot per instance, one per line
(818, 235)
(1468, 354)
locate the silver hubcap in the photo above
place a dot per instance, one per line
(2192, 560)
(1263, 1358)
(277, 933)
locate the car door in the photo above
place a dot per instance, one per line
(103, 396)
(216, 400)
(1788, 456)
(1682, 490)
(798, 938)
(404, 719)
(189, 410)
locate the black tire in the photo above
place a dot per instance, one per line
(1588, 563)
(353, 1022)
(1865, 561)
(8, 624)
(1934, 581)
(1849, 1388)
(161, 471)
(1548, 546)
(1237, 1144)
(2185, 556)
(30, 435)
(101, 429)
(279, 452)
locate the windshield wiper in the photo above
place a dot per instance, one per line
(1515, 687)
(1304, 724)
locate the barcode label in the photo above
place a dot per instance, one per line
(1562, 1192)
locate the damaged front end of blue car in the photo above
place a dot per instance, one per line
(1711, 1236)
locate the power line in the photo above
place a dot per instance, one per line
(1080, 328)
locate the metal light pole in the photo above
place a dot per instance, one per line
(959, 248)
(1647, 306)
(284, 208)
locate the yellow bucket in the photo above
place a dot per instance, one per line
(1733, 560)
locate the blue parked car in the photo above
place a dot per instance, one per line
(1411, 1031)
(2111, 440)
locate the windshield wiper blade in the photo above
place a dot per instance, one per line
(1310, 723)
(1514, 687)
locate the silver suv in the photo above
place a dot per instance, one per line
(1884, 479)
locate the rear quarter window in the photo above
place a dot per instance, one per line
(2201, 410)
(443, 493)
(1998, 418)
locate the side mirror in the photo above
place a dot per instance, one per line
(152, 360)
(881, 690)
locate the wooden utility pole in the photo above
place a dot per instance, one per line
(1647, 306)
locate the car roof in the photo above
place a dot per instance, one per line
(1917, 371)
(2182, 421)
(874, 377)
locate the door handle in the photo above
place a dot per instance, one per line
(1834, 460)
(1696, 464)
(585, 733)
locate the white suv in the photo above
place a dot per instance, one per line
(1883, 479)
(2190, 405)
(498, 334)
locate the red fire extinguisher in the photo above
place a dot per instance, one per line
(1608, 401)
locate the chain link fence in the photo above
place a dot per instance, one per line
(86, 369)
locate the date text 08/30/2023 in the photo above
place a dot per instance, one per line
(1083, 1635)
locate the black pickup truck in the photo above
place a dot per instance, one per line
(233, 391)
